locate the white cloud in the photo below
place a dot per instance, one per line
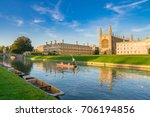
(73, 24)
(23, 33)
(120, 9)
(51, 34)
(40, 9)
(89, 35)
(141, 29)
(19, 22)
(36, 21)
(79, 30)
(55, 13)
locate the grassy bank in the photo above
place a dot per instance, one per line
(117, 59)
(14, 88)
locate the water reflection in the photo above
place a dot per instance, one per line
(87, 82)
(106, 75)
(23, 65)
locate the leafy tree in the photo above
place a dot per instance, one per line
(1, 49)
(20, 45)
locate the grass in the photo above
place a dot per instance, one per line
(117, 59)
(13, 87)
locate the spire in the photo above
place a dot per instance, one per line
(109, 30)
(101, 33)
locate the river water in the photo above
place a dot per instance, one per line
(90, 83)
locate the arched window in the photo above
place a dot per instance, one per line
(105, 43)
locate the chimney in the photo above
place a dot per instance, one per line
(55, 41)
(131, 37)
(51, 42)
(62, 41)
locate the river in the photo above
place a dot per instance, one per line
(89, 83)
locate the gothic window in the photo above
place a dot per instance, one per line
(105, 43)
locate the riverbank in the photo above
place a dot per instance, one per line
(141, 62)
(115, 59)
(13, 87)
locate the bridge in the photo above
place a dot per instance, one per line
(14, 56)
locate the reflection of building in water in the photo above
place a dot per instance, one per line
(128, 74)
(105, 75)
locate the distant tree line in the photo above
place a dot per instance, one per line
(20, 45)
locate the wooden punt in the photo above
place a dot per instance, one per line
(19, 73)
(49, 89)
(62, 65)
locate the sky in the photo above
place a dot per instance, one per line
(72, 20)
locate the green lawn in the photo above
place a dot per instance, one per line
(13, 87)
(118, 59)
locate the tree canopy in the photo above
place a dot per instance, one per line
(21, 45)
(1, 49)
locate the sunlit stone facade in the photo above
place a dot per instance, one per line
(134, 47)
(112, 44)
(65, 49)
(107, 42)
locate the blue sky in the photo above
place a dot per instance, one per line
(72, 20)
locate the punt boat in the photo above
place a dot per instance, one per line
(62, 65)
(49, 89)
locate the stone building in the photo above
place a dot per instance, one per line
(65, 49)
(107, 42)
(133, 47)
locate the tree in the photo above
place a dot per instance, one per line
(1, 49)
(6, 50)
(21, 45)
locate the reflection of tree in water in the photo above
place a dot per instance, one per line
(22, 65)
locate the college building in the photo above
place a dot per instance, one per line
(66, 49)
(113, 44)
(134, 47)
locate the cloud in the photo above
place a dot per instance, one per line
(23, 33)
(73, 24)
(40, 9)
(120, 9)
(51, 34)
(19, 22)
(141, 29)
(55, 13)
(89, 35)
(36, 21)
(79, 30)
